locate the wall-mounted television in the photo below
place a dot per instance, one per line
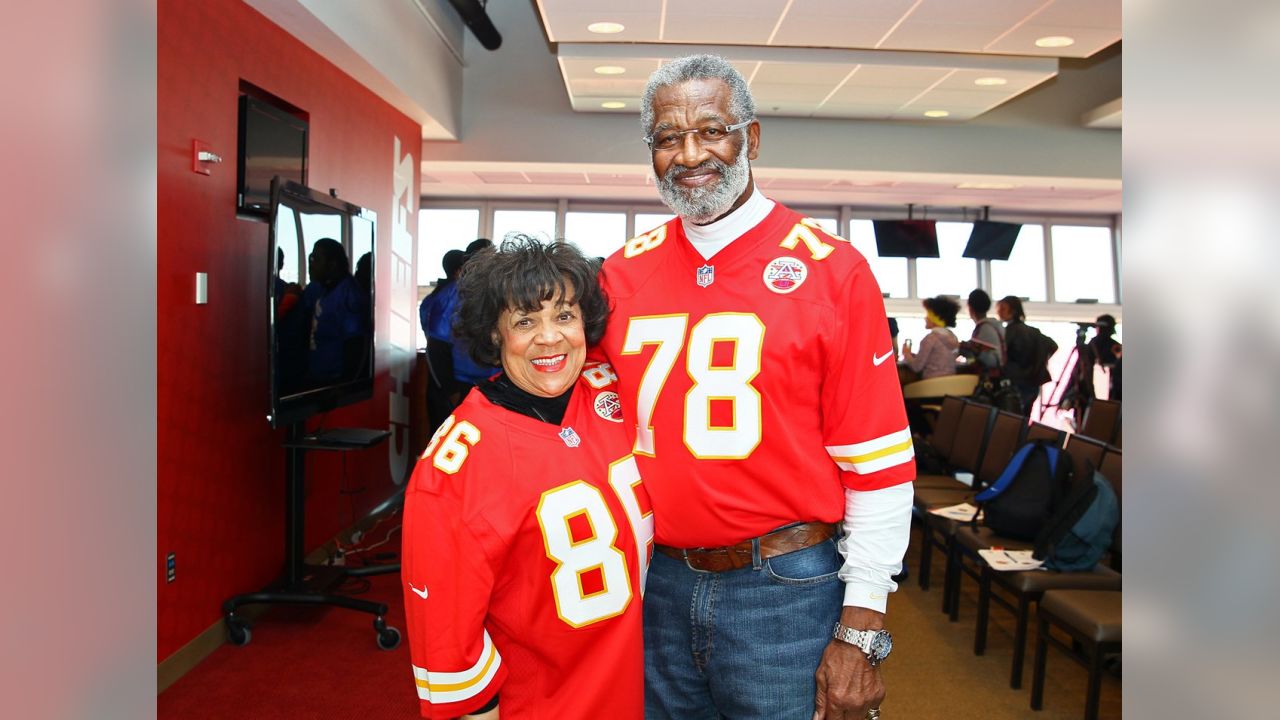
(273, 143)
(320, 302)
(990, 240)
(906, 238)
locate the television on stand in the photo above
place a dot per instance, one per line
(320, 302)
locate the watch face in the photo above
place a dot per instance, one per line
(881, 644)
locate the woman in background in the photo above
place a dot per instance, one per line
(939, 348)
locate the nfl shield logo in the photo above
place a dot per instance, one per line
(706, 275)
(570, 437)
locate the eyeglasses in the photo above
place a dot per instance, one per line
(705, 135)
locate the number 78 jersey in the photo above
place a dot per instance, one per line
(761, 382)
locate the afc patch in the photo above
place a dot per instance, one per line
(785, 274)
(609, 407)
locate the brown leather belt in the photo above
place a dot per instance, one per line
(732, 557)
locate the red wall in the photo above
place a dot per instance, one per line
(221, 467)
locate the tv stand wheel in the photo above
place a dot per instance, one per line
(238, 633)
(388, 638)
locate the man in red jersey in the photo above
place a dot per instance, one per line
(755, 362)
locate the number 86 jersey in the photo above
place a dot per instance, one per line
(525, 550)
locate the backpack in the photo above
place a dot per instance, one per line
(998, 393)
(1045, 347)
(1022, 500)
(1080, 531)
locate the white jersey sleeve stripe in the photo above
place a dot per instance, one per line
(446, 687)
(871, 456)
(878, 463)
(855, 451)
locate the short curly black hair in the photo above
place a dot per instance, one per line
(521, 274)
(944, 307)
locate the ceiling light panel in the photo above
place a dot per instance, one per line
(567, 20)
(729, 22)
(839, 23)
(1088, 41)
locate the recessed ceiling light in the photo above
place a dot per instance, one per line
(610, 70)
(606, 28)
(985, 186)
(990, 81)
(1055, 41)
(936, 113)
(613, 105)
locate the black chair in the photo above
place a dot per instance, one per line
(1027, 587)
(1002, 440)
(940, 490)
(1102, 420)
(1092, 619)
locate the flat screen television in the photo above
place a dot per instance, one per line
(906, 238)
(990, 240)
(320, 302)
(273, 143)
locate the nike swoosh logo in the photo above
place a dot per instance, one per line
(880, 359)
(420, 593)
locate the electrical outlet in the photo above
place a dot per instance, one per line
(170, 567)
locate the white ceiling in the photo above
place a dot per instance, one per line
(870, 59)
(847, 82)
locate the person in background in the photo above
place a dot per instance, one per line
(755, 366)
(1107, 352)
(436, 313)
(526, 525)
(339, 310)
(938, 349)
(1027, 352)
(986, 345)
(466, 373)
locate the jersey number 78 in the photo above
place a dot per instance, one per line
(726, 382)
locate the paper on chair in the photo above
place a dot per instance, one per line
(1010, 559)
(962, 512)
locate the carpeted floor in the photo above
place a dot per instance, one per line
(324, 664)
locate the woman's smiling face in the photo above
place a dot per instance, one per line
(543, 351)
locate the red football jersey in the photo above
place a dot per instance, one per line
(525, 550)
(761, 382)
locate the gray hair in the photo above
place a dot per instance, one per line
(698, 67)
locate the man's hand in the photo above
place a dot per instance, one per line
(847, 684)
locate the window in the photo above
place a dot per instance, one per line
(316, 227)
(1022, 275)
(950, 273)
(439, 231)
(891, 273)
(1083, 266)
(538, 223)
(597, 234)
(648, 221)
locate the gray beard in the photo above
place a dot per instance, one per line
(701, 205)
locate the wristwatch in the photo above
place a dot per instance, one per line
(876, 644)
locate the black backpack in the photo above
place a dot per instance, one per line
(1023, 499)
(1079, 532)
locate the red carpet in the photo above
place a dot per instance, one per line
(305, 662)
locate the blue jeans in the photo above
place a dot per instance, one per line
(742, 644)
